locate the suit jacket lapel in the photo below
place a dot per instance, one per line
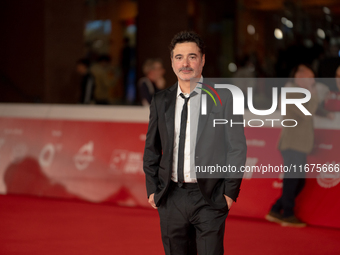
(203, 119)
(170, 103)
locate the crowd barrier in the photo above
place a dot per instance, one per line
(95, 153)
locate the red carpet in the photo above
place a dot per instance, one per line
(37, 226)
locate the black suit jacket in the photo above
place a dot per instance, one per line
(222, 145)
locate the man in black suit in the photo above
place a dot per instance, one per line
(192, 205)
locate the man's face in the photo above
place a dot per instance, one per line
(156, 72)
(308, 77)
(81, 69)
(187, 61)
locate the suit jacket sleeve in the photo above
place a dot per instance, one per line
(236, 151)
(152, 151)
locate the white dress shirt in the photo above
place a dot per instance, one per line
(191, 132)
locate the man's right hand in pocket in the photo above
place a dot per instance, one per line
(152, 201)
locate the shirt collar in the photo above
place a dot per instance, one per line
(196, 89)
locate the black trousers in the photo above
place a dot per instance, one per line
(189, 225)
(293, 182)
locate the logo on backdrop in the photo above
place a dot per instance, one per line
(328, 179)
(2, 142)
(127, 161)
(84, 156)
(19, 152)
(47, 154)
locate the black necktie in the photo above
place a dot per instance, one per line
(180, 165)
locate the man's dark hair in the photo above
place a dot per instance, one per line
(84, 61)
(104, 58)
(187, 36)
(296, 69)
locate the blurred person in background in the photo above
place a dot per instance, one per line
(295, 144)
(323, 93)
(245, 77)
(107, 77)
(332, 102)
(87, 84)
(128, 63)
(152, 82)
